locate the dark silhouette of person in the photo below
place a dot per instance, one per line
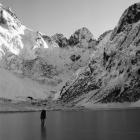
(43, 117)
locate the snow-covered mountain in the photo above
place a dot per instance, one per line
(16, 38)
(41, 59)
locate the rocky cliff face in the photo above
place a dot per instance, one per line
(113, 73)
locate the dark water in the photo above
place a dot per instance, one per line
(89, 125)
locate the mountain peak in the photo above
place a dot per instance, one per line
(130, 16)
(8, 18)
(84, 31)
(81, 37)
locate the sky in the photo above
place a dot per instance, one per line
(66, 16)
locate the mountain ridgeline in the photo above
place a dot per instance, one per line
(32, 57)
(113, 73)
(74, 70)
(81, 38)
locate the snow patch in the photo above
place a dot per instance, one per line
(40, 42)
(12, 86)
(12, 41)
(45, 44)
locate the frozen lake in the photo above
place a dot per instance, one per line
(72, 125)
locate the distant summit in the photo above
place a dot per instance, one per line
(60, 40)
(82, 37)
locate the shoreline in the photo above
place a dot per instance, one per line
(27, 108)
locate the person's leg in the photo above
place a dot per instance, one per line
(43, 122)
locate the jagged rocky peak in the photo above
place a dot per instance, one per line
(82, 37)
(60, 39)
(130, 16)
(8, 17)
(83, 33)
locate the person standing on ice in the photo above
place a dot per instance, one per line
(43, 117)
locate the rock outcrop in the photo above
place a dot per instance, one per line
(82, 38)
(113, 73)
(60, 40)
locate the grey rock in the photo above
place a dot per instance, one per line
(113, 73)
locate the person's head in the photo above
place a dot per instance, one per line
(43, 110)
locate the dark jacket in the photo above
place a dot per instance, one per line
(43, 114)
